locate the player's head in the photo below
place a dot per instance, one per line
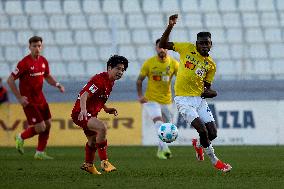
(203, 43)
(35, 45)
(116, 65)
(162, 53)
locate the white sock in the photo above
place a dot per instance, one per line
(161, 145)
(210, 152)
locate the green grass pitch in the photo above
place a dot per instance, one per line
(253, 167)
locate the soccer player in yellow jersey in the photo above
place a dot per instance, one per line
(157, 100)
(195, 76)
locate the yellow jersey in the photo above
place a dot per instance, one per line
(194, 69)
(159, 78)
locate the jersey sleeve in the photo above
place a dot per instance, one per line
(145, 69)
(20, 69)
(210, 74)
(46, 71)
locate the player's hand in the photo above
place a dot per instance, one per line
(61, 88)
(83, 115)
(23, 101)
(173, 19)
(142, 99)
(209, 93)
(111, 111)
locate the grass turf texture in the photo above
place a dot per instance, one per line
(138, 167)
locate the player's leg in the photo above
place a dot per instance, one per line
(90, 150)
(154, 111)
(100, 128)
(207, 118)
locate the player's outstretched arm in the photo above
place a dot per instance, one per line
(164, 43)
(51, 81)
(110, 110)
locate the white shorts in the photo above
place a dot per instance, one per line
(154, 109)
(191, 107)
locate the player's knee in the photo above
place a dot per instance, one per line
(102, 129)
(39, 128)
(204, 141)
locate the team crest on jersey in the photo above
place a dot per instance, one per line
(93, 88)
(200, 72)
(16, 71)
(189, 65)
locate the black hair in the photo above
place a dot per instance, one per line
(204, 34)
(35, 39)
(114, 60)
(158, 41)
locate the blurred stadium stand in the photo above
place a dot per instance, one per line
(80, 35)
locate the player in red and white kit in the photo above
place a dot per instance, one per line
(91, 100)
(31, 71)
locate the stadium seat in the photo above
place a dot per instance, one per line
(247, 5)
(58, 69)
(105, 52)
(70, 53)
(4, 35)
(19, 22)
(47, 36)
(13, 7)
(213, 20)
(77, 22)
(71, 7)
(189, 6)
(278, 68)
(217, 35)
(229, 69)
(58, 22)
(76, 69)
(179, 35)
(155, 21)
(257, 51)
(279, 5)
(116, 21)
(208, 6)
(193, 20)
(64, 37)
(52, 7)
(127, 51)
(276, 50)
(235, 35)
(133, 71)
(5, 70)
(97, 21)
(33, 7)
(39, 22)
(136, 21)
(1, 8)
(83, 37)
(52, 53)
(111, 6)
(227, 6)
(4, 22)
(131, 6)
(272, 34)
(269, 19)
(238, 51)
(254, 35)
(102, 37)
(170, 6)
(231, 20)
(151, 6)
(259, 69)
(89, 53)
(122, 36)
(13, 54)
(23, 37)
(220, 51)
(156, 34)
(250, 19)
(265, 5)
(94, 68)
(144, 52)
(140, 36)
(92, 6)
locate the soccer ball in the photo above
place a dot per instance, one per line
(168, 132)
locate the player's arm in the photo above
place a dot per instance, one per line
(110, 110)
(208, 92)
(23, 100)
(83, 106)
(139, 82)
(51, 81)
(164, 43)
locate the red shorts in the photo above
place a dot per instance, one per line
(83, 124)
(37, 113)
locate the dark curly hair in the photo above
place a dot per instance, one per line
(116, 59)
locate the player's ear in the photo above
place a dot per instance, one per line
(108, 68)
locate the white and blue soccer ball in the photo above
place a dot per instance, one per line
(168, 132)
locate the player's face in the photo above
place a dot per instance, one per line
(162, 53)
(203, 45)
(35, 48)
(116, 72)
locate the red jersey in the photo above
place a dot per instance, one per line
(99, 88)
(31, 73)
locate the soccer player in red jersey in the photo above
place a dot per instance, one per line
(91, 100)
(3, 93)
(31, 71)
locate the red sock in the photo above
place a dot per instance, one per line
(28, 133)
(42, 140)
(102, 150)
(89, 153)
